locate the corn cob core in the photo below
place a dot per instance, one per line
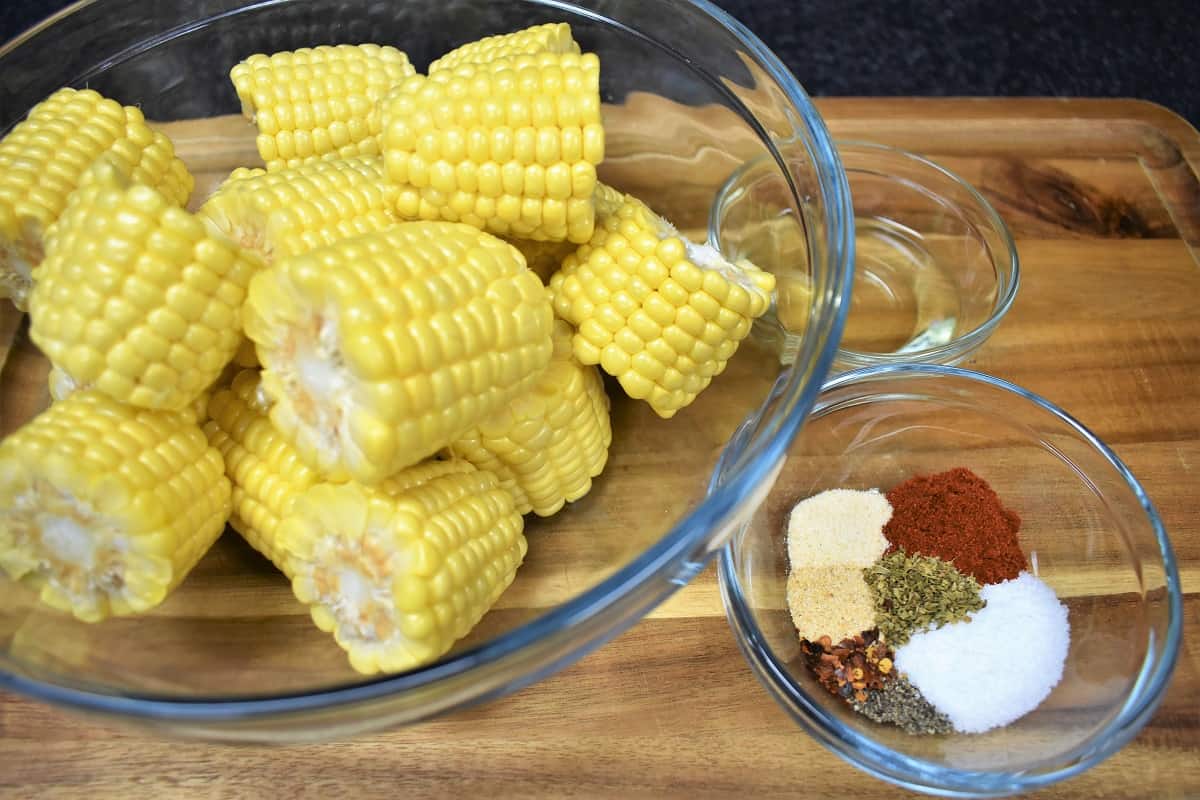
(659, 313)
(317, 102)
(294, 210)
(552, 37)
(43, 158)
(135, 298)
(266, 472)
(510, 145)
(379, 350)
(398, 578)
(105, 508)
(548, 443)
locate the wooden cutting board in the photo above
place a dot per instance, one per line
(1105, 204)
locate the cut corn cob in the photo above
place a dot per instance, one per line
(319, 101)
(396, 573)
(552, 37)
(659, 313)
(379, 350)
(105, 508)
(547, 444)
(135, 298)
(510, 145)
(293, 210)
(398, 578)
(544, 258)
(267, 474)
(43, 158)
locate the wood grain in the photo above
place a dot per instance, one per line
(1102, 198)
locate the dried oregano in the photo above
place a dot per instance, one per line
(912, 593)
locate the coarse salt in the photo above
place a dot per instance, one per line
(998, 665)
(838, 527)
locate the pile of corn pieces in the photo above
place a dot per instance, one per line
(370, 358)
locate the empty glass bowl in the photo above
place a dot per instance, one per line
(935, 265)
(231, 654)
(1088, 530)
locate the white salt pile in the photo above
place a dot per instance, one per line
(838, 527)
(997, 666)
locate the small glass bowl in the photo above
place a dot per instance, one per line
(1088, 530)
(935, 265)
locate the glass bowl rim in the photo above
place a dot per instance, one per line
(716, 506)
(1007, 263)
(925, 776)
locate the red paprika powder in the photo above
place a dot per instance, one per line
(957, 517)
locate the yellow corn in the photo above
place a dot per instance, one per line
(61, 387)
(659, 313)
(267, 474)
(547, 444)
(105, 508)
(318, 101)
(241, 173)
(379, 350)
(552, 37)
(135, 298)
(43, 158)
(398, 577)
(510, 145)
(293, 210)
(544, 258)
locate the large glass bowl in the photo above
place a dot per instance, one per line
(689, 96)
(1087, 529)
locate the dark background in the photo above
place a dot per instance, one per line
(1148, 49)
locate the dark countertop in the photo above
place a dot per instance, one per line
(1148, 49)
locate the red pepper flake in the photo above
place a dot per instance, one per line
(850, 667)
(957, 517)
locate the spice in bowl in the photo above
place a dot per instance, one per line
(1015, 646)
(957, 517)
(905, 602)
(911, 593)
